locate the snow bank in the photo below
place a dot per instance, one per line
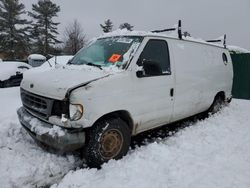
(22, 162)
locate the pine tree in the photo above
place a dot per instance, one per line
(44, 31)
(107, 27)
(14, 31)
(126, 26)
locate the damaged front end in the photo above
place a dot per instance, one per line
(47, 120)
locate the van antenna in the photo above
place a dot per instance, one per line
(179, 30)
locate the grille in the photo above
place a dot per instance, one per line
(35, 102)
(41, 106)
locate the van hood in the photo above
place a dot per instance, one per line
(55, 83)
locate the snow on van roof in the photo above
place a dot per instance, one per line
(171, 34)
(125, 32)
(36, 56)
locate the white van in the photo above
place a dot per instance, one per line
(119, 86)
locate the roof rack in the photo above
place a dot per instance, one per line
(180, 34)
(219, 40)
(171, 29)
(163, 30)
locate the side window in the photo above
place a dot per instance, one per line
(155, 58)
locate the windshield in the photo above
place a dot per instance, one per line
(105, 52)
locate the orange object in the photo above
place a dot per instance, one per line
(114, 58)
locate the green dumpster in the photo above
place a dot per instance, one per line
(241, 83)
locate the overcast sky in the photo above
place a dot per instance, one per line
(207, 19)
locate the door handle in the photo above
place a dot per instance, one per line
(172, 92)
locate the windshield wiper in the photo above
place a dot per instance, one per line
(94, 65)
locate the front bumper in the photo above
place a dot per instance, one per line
(51, 135)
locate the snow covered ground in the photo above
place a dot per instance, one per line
(22, 162)
(214, 152)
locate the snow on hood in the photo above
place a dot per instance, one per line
(54, 83)
(8, 69)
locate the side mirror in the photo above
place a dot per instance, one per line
(140, 73)
(150, 68)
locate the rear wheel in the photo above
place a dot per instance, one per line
(2, 84)
(217, 105)
(108, 139)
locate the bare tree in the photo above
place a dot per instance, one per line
(74, 38)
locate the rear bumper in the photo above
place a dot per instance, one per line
(51, 135)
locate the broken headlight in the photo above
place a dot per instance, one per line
(75, 111)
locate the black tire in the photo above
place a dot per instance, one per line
(108, 139)
(217, 105)
(2, 84)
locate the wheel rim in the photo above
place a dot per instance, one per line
(111, 143)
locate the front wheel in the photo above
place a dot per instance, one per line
(108, 139)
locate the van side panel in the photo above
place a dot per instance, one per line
(200, 75)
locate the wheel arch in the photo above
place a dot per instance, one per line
(123, 114)
(221, 94)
